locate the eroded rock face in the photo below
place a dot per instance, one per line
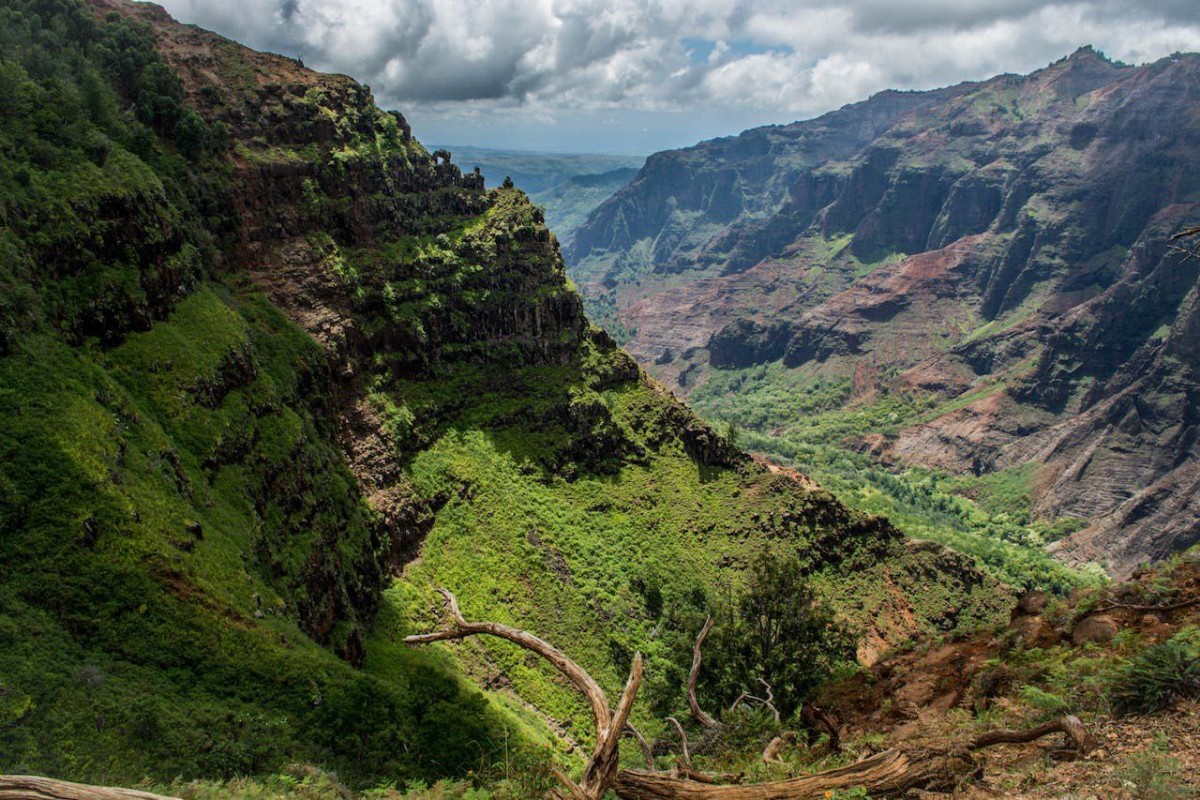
(1007, 240)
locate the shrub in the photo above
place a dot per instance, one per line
(1154, 775)
(775, 630)
(1157, 677)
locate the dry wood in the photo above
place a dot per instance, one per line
(817, 720)
(31, 787)
(694, 674)
(1070, 726)
(710, 778)
(1188, 252)
(770, 753)
(601, 769)
(647, 750)
(685, 758)
(888, 773)
(767, 702)
(461, 629)
(573, 791)
(1147, 608)
(885, 774)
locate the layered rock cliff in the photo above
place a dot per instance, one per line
(995, 254)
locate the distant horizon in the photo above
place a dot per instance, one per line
(532, 151)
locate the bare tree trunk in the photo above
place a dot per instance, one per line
(889, 773)
(31, 787)
(461, 629)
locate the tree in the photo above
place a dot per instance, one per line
(778, 631)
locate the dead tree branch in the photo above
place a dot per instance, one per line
(647, 751)
(889, 773)
(1188, 252)
(601, 769)
(892, 772)
(685, 758)
(694, 675)
(1150, 609)
(1080, 740)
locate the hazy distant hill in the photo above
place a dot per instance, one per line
(568, 186)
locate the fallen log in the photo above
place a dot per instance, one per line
(891, 772)
(886, 774)
(32, 787)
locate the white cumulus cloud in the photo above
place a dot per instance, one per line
(480, 65)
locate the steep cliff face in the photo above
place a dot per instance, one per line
(270, 373)
(995, 254)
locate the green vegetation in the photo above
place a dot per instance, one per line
(196, 585)
(807, 420)
(775, 631)
(185, 547)
(1156, 775)
(1160, 675)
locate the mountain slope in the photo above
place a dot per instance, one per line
(270, 372)
(990, 260)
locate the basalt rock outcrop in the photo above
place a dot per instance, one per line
(1004, 242)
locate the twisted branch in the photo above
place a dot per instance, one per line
(694, 675)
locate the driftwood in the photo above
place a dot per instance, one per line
(767, 702)
(685, 758)
(601, 768)
(31, 787)
(891, 772)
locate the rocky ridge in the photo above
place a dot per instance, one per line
(997, 249)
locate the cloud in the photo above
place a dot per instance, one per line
(549, 59)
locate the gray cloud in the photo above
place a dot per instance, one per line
(542, 61)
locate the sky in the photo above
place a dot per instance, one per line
(636, 77)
